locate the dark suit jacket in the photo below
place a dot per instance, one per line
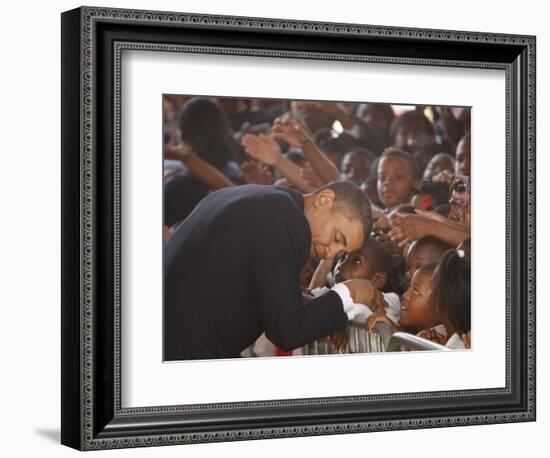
(232, 272)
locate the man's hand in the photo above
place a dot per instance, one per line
(263, 148)
(364, 292)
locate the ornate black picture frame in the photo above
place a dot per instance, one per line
(92, 41)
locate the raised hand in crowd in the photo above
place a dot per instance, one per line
(291, 131)
(198, 167)
(296, 134)
(309, 175)
(266, 149)
(263, 148)
(407, 228)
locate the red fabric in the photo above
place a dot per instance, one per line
(279, 352)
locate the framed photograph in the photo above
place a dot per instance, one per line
(276, 228)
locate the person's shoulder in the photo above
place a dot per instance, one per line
(268, 197)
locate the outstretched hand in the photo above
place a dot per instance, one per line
(407, 228)
(312, 178)
(263, 148)
(364, 292)
(291, 131)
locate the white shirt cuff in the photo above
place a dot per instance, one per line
(343, 291)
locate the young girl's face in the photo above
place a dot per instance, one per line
(462, 159)
(415, 311)
(395, 181)
(354, 265)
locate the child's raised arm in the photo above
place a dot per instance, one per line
(295, 133)
(264, 148)
(198, 167)
(408, 227)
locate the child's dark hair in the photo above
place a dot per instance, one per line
(408, 158)
(410, 117)
(296, 156)
(330, 142)
(438, 190)
(382, 256)
(205, 127)
(359, 150)
(451, 290)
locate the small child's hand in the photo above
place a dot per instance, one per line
(338, 339)
(407, 228)
(381, 221)
(433, 335)
(380, 317)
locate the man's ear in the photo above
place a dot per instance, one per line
(325, 198)
(379, 279)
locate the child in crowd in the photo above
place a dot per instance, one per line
(420, 199)
(449, 300)
(407, 129)
(438, 164)
(372, 262)
(398, 177)
(370, 188)
(427, 250)
(414, 316)
(462, 157)
(356, 165)
(430, 195)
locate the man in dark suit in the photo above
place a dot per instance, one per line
(233, 267)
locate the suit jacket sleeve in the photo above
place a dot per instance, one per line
(276, 262)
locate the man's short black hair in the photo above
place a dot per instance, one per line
(352, 202)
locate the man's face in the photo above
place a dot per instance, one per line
(331, 231)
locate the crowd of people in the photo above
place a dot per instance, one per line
(412, 164)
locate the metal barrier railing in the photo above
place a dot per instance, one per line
(403, 340)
